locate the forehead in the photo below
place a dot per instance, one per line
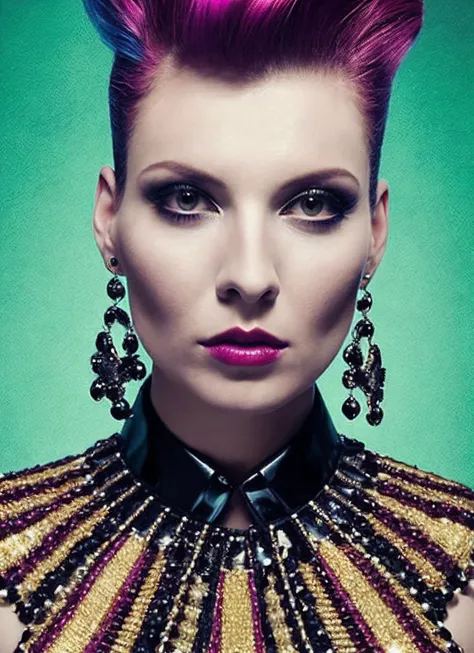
(287, 119)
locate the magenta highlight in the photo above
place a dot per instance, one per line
(244, 40)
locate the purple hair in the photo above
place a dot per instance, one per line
(244, 39)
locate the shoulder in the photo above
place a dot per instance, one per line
(430, 518)
(461, 618)
(440, 508)
(11, 629)
(35, 506)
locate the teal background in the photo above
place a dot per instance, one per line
(55, 136)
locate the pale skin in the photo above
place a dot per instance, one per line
(243, 262)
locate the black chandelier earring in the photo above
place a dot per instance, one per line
(114, 371)
(368, 376)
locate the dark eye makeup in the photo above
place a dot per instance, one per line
(337, 200)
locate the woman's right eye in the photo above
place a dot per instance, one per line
(186, 198)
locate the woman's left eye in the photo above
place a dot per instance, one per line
(314, 201)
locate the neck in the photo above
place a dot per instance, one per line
(234, 438)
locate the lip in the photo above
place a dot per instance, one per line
(237, 336)
(248, 355)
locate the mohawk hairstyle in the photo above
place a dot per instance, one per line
(241, 40)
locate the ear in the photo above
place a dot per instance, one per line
(105, 216)
(379, 226)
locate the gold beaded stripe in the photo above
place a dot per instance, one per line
(14, 547)
(401, 591)
(188, 628)
(378, 616)
(390, 465)
(429, 493)
(28, 477)
(421, 564)
(88, 616)
(18, 545)
(457, 540)
(48, 495)
(82, 530)
(276, 617)
(237, 621)
(425, 569)
(31, 582)
(61, 597)
(132, 626)
(183, 586)
(62, 593)
(289, 592)
(328, 614)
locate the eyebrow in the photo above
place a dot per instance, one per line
(201, 177)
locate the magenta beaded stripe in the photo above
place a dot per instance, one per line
(371, 504)
(361, 633)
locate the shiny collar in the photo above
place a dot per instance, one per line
(186, 479)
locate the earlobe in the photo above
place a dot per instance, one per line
(104, 215)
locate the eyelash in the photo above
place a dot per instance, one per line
(339, 202)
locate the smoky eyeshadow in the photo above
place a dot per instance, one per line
(344, 199)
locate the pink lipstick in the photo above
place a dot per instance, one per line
(238, 347)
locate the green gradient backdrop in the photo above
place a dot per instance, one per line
(55, 136)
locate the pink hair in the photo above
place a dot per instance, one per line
(244, 39)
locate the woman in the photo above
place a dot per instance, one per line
(229, 514)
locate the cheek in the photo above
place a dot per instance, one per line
(326, 285)
(161, 278)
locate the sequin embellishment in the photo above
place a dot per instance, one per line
(93, 562)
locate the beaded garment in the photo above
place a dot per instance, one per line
(95, 562)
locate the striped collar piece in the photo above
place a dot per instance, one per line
(93, 561)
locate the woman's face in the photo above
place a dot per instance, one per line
(258, 251)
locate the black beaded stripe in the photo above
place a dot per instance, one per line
(89, 546)
(313, 525)
(34, 609)
(101, 452)
(233, 548)
(412, 624)
(306, 603)
(113, 633)
(287, 609)
(209, 561)
(340, 599)
(178, 556)
(406, 530)
(302, 552)
(49, 543)
(15, 525)
(30, 490)
(104, 447)
(356, 474)
(260, 586)
(42, 467)
(358, 528)
(105, 472)
(430, 507)
(30, 517)
(439, 484)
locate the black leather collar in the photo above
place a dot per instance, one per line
(186, 480)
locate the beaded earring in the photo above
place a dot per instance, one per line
(114, 371)
(368, 376)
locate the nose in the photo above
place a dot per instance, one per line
(248, 258)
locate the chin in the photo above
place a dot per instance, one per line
(252, 395)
